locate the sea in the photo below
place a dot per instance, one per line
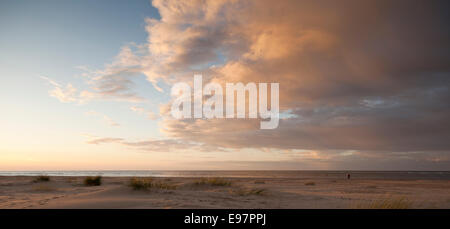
(289, 174)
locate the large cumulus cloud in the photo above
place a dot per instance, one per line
(371, 77)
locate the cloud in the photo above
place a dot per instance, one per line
(356, 76)
(105, 118)
(113, 82)
(157, 145)
(65, 94)
(142, 111)
(104, 140)
(355, 162)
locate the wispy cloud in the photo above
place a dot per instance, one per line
(104, 140)
(105, 118)
(157, 145)
(114, 82)
(65, 94)
(142, 111)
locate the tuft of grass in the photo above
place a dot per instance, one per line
(310, 183)
(248, 192)
(148, 183)
(386, 203)
(43, 188)
(163, 186)
(93, 181)
(213, 182)
(140, 183)
(42, 178)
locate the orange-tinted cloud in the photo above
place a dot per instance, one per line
(370, 76)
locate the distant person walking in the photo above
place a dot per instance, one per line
(348, 176)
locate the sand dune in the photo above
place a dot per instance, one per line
(115, 192)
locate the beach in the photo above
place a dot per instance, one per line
(335, 192)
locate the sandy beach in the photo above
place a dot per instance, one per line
(20, 192)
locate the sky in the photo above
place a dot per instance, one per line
(85, 85)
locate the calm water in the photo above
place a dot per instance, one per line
(409, 175)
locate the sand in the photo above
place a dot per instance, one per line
(115, 192)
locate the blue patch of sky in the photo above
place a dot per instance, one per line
(51, 38)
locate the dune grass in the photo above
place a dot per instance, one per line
(93, 181)
(212, 182)
(42, 178)
(140, 183)
(148, 184)
(386, 203)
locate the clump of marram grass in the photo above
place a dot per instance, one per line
(140, 183)
(310, 183)
(248, 192)
(386, 203)
(213, 182)
(93, 181)
(42, 178)
(164, 186)
(148, 183)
